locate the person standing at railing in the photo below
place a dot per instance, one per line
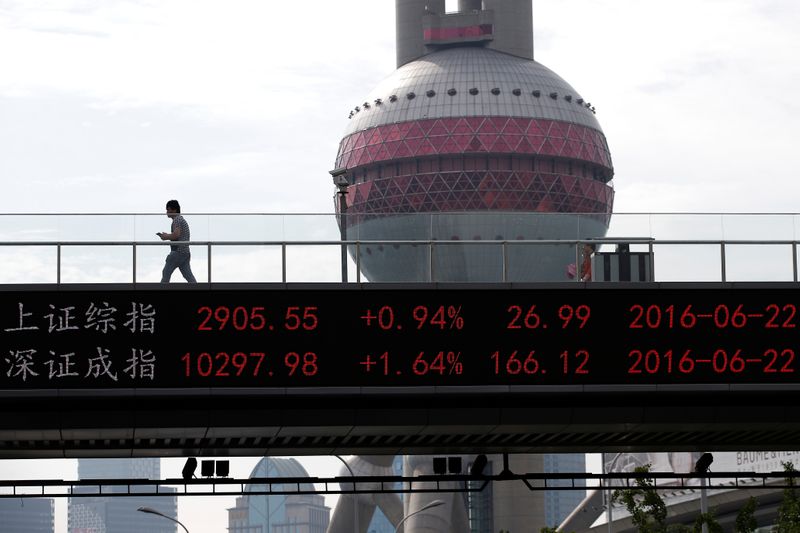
(179, 256)
(586, 263)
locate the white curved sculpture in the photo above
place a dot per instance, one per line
(352, 508)
(450, 517)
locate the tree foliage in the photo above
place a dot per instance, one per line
(553, 529)
(710, 520)
(745, 519)
(789, 511)
(649, 512)
(646, 507)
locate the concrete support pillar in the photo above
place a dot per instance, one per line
(468, 6)
(513, 26)
(409, 14)
(515, 507)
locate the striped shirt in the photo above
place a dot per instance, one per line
(179, 223)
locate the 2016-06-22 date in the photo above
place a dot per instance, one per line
(720, 361)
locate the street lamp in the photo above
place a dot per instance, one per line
(355, 494)
(701, 467)
(159, 513)
(434, 503)
(339, 176)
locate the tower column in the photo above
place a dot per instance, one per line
(513, 22)
(410, 42)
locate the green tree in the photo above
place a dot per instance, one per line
(646, 507)
(789, 511)
(710, 520)
(649, 512)
(745, 519)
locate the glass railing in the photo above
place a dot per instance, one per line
(123, 248)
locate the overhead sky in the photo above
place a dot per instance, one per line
(117, 105)
(238, 106)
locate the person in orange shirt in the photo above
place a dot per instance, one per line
(586, 264)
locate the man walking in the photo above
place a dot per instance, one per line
(179, 256)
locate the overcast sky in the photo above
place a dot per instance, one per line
(238, 106)
(117, 105)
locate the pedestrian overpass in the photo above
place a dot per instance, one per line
(118, 366)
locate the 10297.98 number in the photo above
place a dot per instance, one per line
(223, 364)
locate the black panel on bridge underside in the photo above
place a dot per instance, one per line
(408, 423)
(741, 396)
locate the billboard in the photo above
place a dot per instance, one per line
(741, 462)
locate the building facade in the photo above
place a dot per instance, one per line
(27, 516)
(88, 513)
(558, 504)
(274, 513)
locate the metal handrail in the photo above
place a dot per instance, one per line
(355, 213)
(356, 246)
(390, 484)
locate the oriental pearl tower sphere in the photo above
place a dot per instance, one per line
(470, 139)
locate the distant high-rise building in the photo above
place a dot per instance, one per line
(27, 516)
(558, 504)
(274, 513)
(109, 514)
(479, 507)
(144, 468)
